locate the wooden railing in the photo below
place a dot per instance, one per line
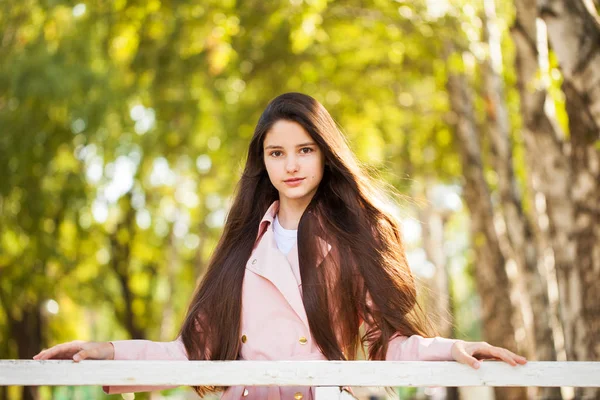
(321, 374)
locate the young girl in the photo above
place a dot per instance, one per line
(308, 255)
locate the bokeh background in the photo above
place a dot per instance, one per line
(124, 125)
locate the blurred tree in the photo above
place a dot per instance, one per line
(548, 168)
(574, 34)
(515, 231)
(498, 310)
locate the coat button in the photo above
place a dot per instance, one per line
(245, 393)
(254, 261)
(298, 396)
(244, 338)
(303, 340)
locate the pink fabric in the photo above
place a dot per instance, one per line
(418, 348)
(274, 324)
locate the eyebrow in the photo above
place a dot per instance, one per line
(298, 145)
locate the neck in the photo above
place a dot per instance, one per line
(290, 212)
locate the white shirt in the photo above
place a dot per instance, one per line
(285, 238)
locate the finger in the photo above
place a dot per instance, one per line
(519, 359)
(38, 354)
(44, 354)
(504, 355)
(81, 355)
(516, 359)
(464, 358)
(63, 350)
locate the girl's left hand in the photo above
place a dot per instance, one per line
(471, 352)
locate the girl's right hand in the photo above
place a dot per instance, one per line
(78, 350)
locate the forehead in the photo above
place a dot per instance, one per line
(286, 133)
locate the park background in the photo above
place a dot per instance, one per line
(124, 125)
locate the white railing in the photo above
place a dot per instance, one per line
(322, 374)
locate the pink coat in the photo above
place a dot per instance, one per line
(274, 324)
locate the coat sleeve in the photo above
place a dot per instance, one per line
(418, 348)
(146, 350)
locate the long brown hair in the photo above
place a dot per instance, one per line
(371, 282)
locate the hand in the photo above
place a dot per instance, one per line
(78, 350)
(471, 352)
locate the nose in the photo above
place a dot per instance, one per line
(291, 164)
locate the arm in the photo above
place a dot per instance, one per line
(415, 347)
(418, 348)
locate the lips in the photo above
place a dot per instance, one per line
(293, 182)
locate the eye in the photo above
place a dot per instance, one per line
(275, 153)
(306, 150)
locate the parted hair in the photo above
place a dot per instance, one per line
(370, 283)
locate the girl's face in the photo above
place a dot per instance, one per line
(293, 160)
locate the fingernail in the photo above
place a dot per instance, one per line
(476, 364)
(76, 358)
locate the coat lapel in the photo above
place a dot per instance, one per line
(281, 270)
(270, 263)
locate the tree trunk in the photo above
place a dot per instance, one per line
(549, 172)
(515, 233)
(547, 157)
(120, 262)
(564, 174)
(574, 35)
(27, 332)
(490, 273)
(168, 315)
(585, 193)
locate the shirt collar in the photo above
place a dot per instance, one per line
(268, 218)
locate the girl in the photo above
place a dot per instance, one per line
(308, 255)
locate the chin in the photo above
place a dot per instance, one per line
(293, 195)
